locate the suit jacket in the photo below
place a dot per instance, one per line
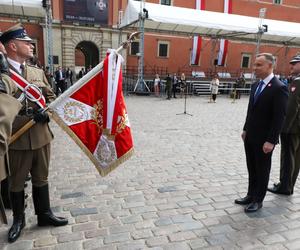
(40, 134)
(292, 121)
(265, 117)
(57, 75)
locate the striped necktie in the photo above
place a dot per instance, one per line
(258, 90)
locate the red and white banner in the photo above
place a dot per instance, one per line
(197, 40)
(94, 114)
(224, 43)
(30, 90)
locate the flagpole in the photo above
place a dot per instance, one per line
(73, 88)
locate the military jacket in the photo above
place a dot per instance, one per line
(292, 120)
(9, 108)
(40, 134)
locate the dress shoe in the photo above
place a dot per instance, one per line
(276, 189)
(243, 201)
(253, 207)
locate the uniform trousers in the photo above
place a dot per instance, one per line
(24, 161)
(259, 166)
(289, 160)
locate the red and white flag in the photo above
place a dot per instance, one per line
(197, 40)
(94, 114)
(224, 43)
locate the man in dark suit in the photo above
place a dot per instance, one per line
(290, 136)
(265, 116)
(60, 80)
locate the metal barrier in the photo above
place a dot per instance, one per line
(193, 87)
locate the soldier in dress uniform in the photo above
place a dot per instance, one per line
(9, 108)
(290, 136)
(30, 152)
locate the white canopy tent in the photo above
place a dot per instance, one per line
(184, 21)
(27, 8)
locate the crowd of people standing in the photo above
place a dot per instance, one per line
(172, 85)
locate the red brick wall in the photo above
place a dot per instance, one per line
(35, 31)
(180, 48)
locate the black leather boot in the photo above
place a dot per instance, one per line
(41, 202)
(17, 201)
(5, 193)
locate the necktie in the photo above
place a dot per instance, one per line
(22, 69)
(258, 90)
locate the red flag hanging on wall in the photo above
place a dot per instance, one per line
(224, 43)
(94, 114)
(197, 40)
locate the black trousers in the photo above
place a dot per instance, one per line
(289, 161)
(174, 90)
(259, 166)
(60, 85)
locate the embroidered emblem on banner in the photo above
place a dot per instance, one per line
(97, 115)
(74, 112)
(122, 122)
(106, 151)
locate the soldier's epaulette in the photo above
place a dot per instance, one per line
(33, 66)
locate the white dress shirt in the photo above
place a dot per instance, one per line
(266, 81)
(16, 65)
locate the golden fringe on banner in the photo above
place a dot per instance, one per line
(102, 171)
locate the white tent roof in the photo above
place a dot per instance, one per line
(170, 19)
(30, 8)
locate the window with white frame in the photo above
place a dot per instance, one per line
(163, 49)
(277, 1)
(166, 2)
(246, 61)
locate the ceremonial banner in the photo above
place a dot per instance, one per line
(224, 43)
(93, 113)
(197, 41)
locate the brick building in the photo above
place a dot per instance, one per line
(83, 42)
(173, 53)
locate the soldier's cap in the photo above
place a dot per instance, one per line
(295, 59)
(16, 32)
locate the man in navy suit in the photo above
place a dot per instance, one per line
(265, 116)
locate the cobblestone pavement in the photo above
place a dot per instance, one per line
(176, 192)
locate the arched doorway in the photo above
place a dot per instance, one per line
(86, 55)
